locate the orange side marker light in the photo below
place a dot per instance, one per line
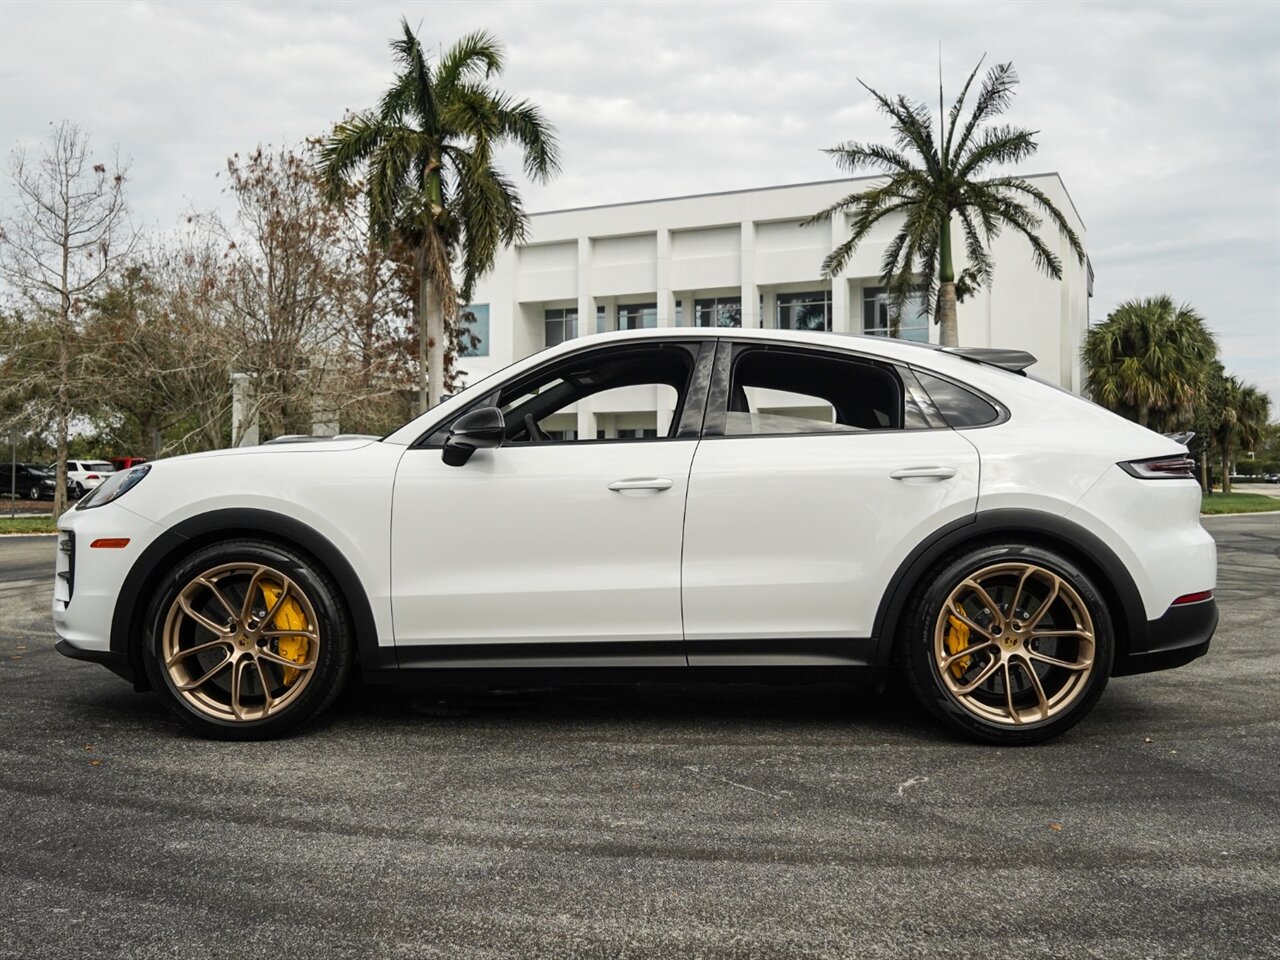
(110, 543)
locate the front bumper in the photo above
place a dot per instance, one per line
(117, 663)
(1177, 638)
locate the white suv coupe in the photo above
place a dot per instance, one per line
(734, 504)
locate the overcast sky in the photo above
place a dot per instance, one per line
(1163, 119)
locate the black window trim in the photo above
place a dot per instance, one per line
(692, 411)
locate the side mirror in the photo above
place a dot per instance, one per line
(485, 427)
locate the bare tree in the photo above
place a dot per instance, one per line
(69, 232)
(162, 319)
(280, 281)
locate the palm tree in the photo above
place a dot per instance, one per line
(1150, 361)
(427, 155)
(1245, 413)
(929, 183)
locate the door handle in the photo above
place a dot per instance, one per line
(924, 473)
(648, 483)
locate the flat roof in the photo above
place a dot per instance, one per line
(780, 186)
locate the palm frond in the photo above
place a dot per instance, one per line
(1002, 145)
(853, 157)
(351, 144)
(911, 125)
(993, 100)
(1041, 200)
(477, 56)
(956, 107)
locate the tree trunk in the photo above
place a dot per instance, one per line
(1226, 469)
(949, 332)
(60, 473)
(435, 345)
(1205, 485)
(420, 262)
(1144, 415)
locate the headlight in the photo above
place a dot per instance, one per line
(114, 487)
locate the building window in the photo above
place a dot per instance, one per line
(637, 316)
(561, 325)
(878, 321)
(602, 320)
(473, 330)
(804, 311)
(718, 312)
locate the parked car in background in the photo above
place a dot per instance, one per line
(29, 480)
(83, 475)
(124, 463)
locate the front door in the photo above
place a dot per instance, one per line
(562, 546)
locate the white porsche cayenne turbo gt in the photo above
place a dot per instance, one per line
(783, 501)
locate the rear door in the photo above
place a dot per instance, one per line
(817, 476)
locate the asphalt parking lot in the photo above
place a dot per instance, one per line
(652, 822)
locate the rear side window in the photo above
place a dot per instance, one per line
(773, 392)
(958, 406)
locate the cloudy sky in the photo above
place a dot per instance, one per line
(1162, 118)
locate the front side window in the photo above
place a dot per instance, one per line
(637, 392)
(880, 320)
(473, 330)
(774, 392)
(805, 311)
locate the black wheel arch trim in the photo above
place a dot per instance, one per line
(1047, 529)
(216, 525)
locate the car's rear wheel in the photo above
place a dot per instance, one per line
(77, 490)
(1008, 643)
(247, 639)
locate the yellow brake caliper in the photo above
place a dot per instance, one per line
(957, 640)
(289, 617)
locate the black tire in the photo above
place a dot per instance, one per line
(1013, 706)
(34, 493)
(77, 491)
(322, 601)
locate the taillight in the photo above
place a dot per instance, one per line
(93, 476)
(1200, 597)
(1179, 467)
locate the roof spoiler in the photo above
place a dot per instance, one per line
(1014, 361)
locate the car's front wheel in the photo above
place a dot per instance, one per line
(247, 639)
(34, 493)
(1008, 643)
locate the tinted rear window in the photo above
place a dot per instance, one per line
(958, 406)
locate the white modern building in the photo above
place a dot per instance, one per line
(743, 258)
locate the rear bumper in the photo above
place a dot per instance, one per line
(1178, 637)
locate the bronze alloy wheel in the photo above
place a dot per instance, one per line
(241, 642)
(1014, 643)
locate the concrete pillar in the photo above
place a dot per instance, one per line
(770, 318)
(586, 303)
(666, 297)
(844, 316)
(750, 292)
